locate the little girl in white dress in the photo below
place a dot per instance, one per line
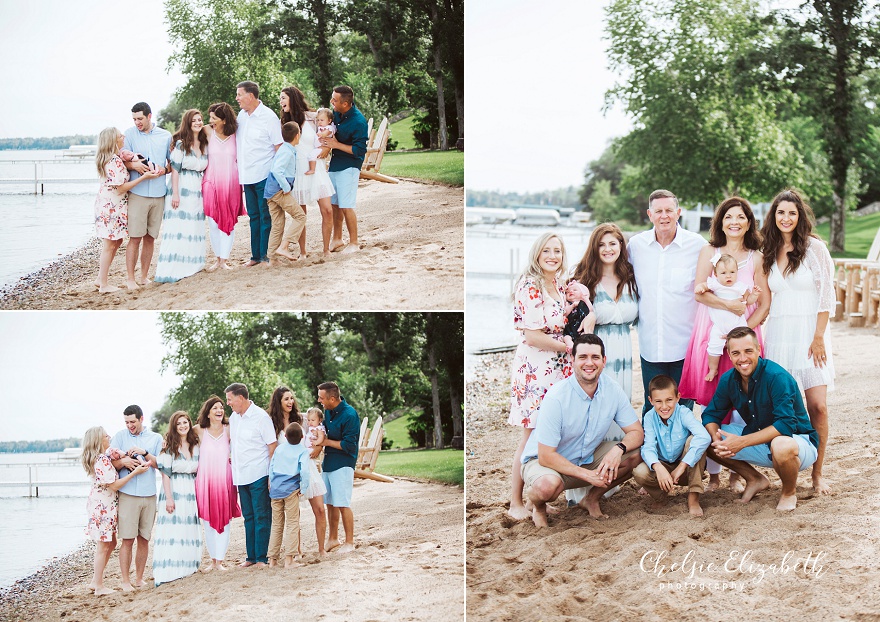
(315, 434)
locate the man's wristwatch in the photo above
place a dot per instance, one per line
(622, 447)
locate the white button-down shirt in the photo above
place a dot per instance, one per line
(665, 277)
(257, 136)
(250, 437)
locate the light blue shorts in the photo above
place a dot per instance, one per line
(759, 455)
(339, 485)
(345, 185)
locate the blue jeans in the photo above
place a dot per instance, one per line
(672, 369)
(256, 508)
(261, 223)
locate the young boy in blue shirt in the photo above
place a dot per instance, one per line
(278, 194)
(288, 475)
(675, 445)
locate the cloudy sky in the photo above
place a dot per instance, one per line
(66, 371)
(536, 78)
(76, 68)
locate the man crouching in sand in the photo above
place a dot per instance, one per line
(777, 433)
(567, 448)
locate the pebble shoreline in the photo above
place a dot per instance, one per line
(28, 598)
(31, 291)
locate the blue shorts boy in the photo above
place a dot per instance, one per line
(759, 455)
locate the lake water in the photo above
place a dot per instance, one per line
(33, 530)
(495, 257)
(40, 228)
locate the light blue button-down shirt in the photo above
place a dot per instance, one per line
(575, 424)
(665, 441)
(283, 171)
(143, 485)
(156, 145)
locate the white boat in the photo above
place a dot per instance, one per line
(580, 219)
(488, 215)
(80, 151)
(71, 454)
(537, 217)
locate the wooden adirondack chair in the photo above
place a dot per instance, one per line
(369, 453)
(855, 284)
(375, 152)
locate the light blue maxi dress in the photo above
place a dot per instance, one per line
(182, 245)
(177, 551)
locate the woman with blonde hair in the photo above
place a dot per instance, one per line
(111, 205)
(103, 500)
(542, 358)
(178, 546)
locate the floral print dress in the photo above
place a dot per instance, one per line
(535, 370)
(111, 206)
(103, 502)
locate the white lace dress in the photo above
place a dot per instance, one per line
(797, 299)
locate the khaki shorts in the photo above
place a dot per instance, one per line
(144, 215)
(531, 470)
(136, 516)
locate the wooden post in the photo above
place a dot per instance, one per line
(30, 482)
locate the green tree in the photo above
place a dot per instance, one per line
(217, 45)
(699, 130)
(823, 50)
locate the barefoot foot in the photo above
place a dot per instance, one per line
(539, 517)
(787, 503)
(336, 245)
(694, 506)
(246, 564)
(518, 512)
(127, 587)
(213, 266)
(736, 483)
(131, 285)
(251, 264)
(755, 486)
(332, 544)
(820, 486)
(714, 482)
(592, 506)
(108, 289)
(101, 591)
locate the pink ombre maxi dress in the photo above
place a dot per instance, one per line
(693, 383)
(216, 497)
(221, 194)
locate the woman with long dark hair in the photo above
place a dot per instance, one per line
(182, 250)
(734, 232)
(220, 188)
(284, 410)
(315, 188)
(177, 551)
(800, 275)
(216, 496)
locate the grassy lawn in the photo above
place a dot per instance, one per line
(402, 133)
(860, 232)
(396, 431)
(444, 465)
(447, 167)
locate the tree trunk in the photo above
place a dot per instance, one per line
(317, 354)
(435, 390)
(438, 77)
(322, 57)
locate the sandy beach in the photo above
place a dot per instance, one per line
(407, 566)
(411, 257)
(581, 568)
